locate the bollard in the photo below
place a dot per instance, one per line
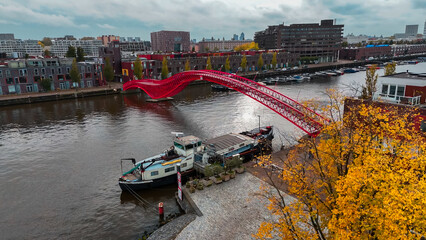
(161, 211)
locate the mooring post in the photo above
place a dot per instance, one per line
(161, 211)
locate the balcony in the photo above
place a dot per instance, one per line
(397, 99)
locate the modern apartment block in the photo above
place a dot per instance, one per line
(269, 38)
(322, 41)
(170, 41)
(60, 47)
(24, 76)
(411, 30)
(135, 46)
(19, 48)
(219, 45)
(7, 36)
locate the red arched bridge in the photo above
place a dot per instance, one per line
(301, 116)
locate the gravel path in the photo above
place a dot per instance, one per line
(231, 210)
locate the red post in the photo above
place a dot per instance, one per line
(161, 211)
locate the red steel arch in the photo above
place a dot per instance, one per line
(301, 116)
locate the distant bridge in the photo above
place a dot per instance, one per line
(301, 116)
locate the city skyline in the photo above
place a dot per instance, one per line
(39, 18)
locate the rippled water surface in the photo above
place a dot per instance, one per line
(59, 161)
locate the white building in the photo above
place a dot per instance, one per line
(90, 47)
(352, 39)
(19, 48)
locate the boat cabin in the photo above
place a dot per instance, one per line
(187, 145)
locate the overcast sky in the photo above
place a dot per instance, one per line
(34, 19)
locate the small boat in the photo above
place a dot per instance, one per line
(350, 70)
(162, 169)
(220, 88)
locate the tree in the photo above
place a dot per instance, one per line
(187, 66)
(362, 178)
(164, 69)
(80, 54)
(247, 46)
(75, 73)
(138, 68)
(274, 60)
(208, 64)
(46, 53)
(71, 52)
(46, 84)
(46, 41)
(370, 83)
(193, 49)
(227, 65)
(345, 44)
(108, 71)
(390, 68)
(244, 62)
(260, 62)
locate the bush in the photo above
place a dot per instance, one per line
(46, 84)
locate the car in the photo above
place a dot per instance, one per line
(284, 69)
(265, 70)
(295, 68)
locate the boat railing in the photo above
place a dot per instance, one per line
(397, 99)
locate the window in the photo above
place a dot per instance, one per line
(88, 69)
(53, 71)
(184, 165)
(43, 71)
(22, 79)
(392, 91)
(7, 73)
(59, 70)
(68, 70)
(30, 88)
(170, 169)
(400, 91)
(11, 89)
(154, 173)
(1, 74)
(36, 72)
(385, 89)
(36, 78)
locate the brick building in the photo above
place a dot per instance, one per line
(170, 41)
(23, 76)
(322, 41)
(176, 63)
(106, 39)
(363, 53)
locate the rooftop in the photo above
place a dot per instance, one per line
(408, 75)
(227, 141)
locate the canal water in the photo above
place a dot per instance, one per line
(60, 161)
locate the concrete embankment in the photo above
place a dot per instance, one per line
(27, 98)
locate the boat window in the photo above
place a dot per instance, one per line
(400, 91)
(169, 169)
(178, 145)
(242, 144)
(154, 173)
(385, 89)
(189, 146)
(184, 165)
(392, 91)
(199, 143)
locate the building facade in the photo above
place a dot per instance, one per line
(106, 39)
(90, 47)
(364, 53)
(153, 63)
(411, 30)
(269, 38)
(139, 46)
(19, 48)
(313, 40)
(322, 41)
(7, 36)
(24, 76)
(219, 45)
(170, 41)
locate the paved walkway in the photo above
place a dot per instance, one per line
(231, 210)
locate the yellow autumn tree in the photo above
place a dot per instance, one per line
(246, 46)
(209, 64)
(390, 68)
(187, 67)
(362, 178)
